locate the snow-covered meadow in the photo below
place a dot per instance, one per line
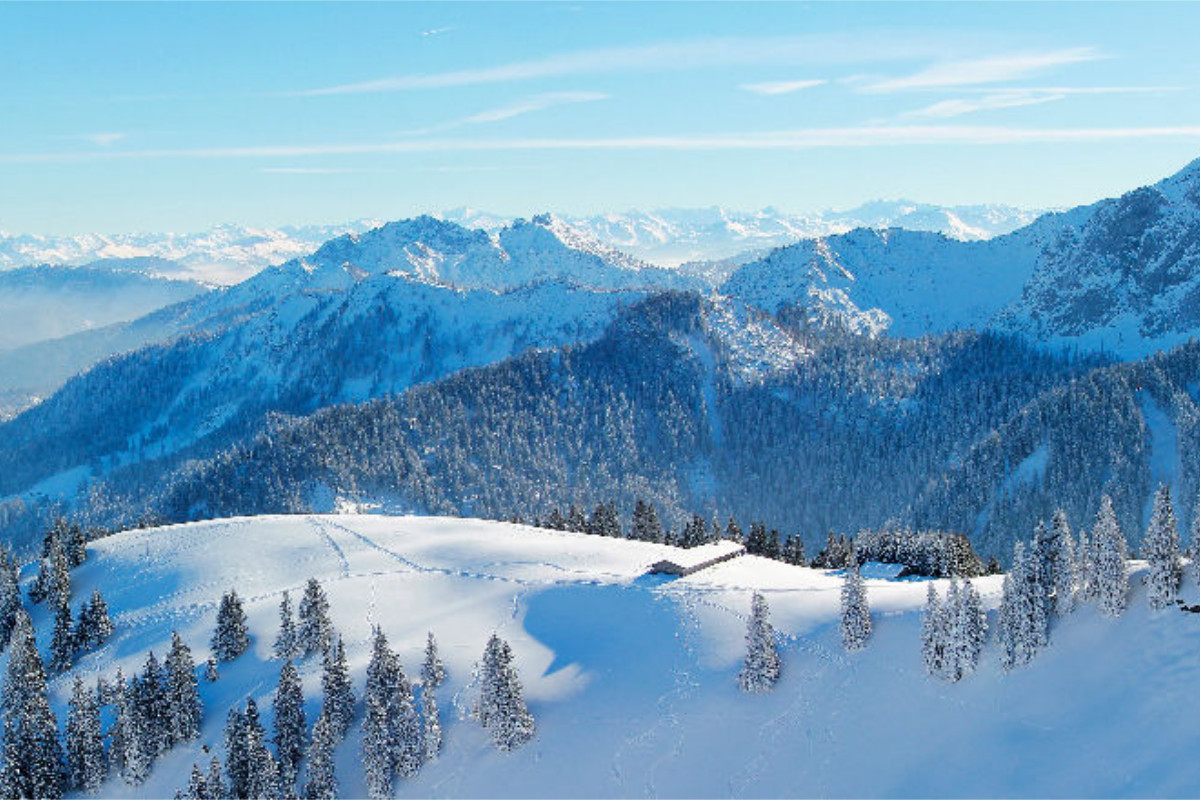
(632, 678)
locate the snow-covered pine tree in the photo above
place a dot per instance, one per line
(1065, 570)
(605, 521)
(94, 625)
(322, 782)
(237, 759)
(1161, 549)
(409, 746)
(694, 532)
(10, 594)
(761, 667)
(576, 521)
(231, 637)
(1085, 568)
(501, 707)
(1023, 620)
(431, 729)
(933, 634)
(32, 756)
(433, 671)
(972, 628)
(1042, 552)
(380, 698)
(149, 695)
(1193, 546)
(62, 643)
(211, 673)
(197, 786)
(1111, 576)
(856, 614)
(337, 692)
(184, 710)
(315, 631)
(118, 735)
(291, 726)
(953, 665)
(136, 760)
(287, 642)
(646, 527)
(215, 781)
(86, 765)
(793, 551)
(262, 771)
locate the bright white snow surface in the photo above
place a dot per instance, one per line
(632, 680)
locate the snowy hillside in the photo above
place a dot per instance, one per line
(632, 679)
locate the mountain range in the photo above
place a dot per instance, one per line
(423, 365)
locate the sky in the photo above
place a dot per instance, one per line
(178, 116)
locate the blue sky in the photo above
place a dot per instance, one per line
(122, 117)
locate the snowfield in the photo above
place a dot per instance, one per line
(632, 678)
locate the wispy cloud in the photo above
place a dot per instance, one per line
(106, 139)
(308, 171)
(994, 99)
(843, 137)
(715, 52)
(957, 107)
(528, 105)
(437, 31)
(780, 87)
(982, 71)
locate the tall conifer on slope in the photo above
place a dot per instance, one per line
(856, 614)
(287, 641)
(1161, 549)
(971, 629)
(1023, 621)
(322, 782)
(183, 693)
(1064, 572)
(1111, 577)
(761, 668)
(10, 594)
(1085, 568)
(337, 691)
(33, 757)
(501, 708)
(86, 764)
(933, 636)
(316, 630)
(291, 727)
(381, 697)
(431, 729)
(433, 671)
(1194, 544)
(231, 638)
(62, 644)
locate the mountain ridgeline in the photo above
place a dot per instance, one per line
(863, 380)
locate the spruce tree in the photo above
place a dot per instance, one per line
(1111, 576)
(262, 771)
(10, 594)
(118, 734)
(338, 693)
(287, 641)
(646, 527)
(1023, 620)
(433, 671)
(216, 785)
(237, 757)
(322, 782)
(431, 731)
(197, 788)
(1161, 549)
(315, 631)
(183, 693)
(231, 637)
(952, 666)
(291, 726)
(1065, 569)
(761, 667)
(94, 625)
(62, 643)
(856, 614)
(32, 755)
(501, 708)
(933, 638)
(972, 629)
(86, 764)
(153, 706)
